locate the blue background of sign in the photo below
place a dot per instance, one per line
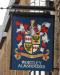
(39, 19)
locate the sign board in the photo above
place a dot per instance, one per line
(32, 42)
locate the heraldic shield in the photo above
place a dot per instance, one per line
(31, 39)
(32, 43)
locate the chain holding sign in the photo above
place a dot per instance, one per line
(32, 41)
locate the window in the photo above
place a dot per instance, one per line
(38, 2)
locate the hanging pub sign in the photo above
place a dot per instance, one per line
(32, 42)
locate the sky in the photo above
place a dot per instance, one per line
(4, 4)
